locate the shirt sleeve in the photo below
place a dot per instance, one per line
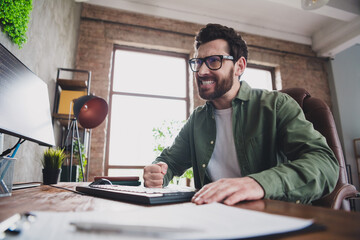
(311, 170)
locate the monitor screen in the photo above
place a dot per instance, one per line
(24, 102)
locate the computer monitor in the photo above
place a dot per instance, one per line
(24, 102)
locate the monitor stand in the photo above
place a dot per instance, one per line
(25, 185)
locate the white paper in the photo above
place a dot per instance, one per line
(213, 221)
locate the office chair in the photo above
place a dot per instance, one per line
(317, 112)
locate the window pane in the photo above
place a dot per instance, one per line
(258, 78)
(132, 122)
(146, 73)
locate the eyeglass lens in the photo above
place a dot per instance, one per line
(212, 62)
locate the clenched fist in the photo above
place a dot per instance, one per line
(154, 175)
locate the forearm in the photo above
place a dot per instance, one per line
(305, 179)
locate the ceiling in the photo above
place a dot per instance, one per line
(329, 29)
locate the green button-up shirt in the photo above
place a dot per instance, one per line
(275, 145)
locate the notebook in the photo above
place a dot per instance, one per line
(130, 181)
(140, 194)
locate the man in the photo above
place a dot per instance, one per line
(243, 144)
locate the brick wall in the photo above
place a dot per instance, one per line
(101, 28)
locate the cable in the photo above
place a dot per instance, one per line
(8, 151)
(67, 189)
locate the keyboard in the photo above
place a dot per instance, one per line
(140, 194)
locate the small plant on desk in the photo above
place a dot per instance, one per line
(52, 161)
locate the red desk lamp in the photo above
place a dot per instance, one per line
(90, 111)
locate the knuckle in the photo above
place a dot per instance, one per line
(205, 187)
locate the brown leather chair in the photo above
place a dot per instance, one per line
(317, 112)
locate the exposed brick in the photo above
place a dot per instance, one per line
(101, 28)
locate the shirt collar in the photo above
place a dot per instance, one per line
(243, 95)
(244, 92)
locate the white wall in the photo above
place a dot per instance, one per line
(52, 38)
(345, 90)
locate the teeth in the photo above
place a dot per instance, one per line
(207, 82)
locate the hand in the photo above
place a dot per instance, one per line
(229, 191)
(154, 175)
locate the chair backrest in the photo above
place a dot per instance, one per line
(318, 113)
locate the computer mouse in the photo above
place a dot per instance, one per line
(101, 181)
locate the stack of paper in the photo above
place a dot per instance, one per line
(178, 221)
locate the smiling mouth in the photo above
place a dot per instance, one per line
(208, 82)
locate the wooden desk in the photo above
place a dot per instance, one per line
(338, 224)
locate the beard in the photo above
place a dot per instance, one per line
(222, 86)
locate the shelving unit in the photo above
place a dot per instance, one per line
(71, 84)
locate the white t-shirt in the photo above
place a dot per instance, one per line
(223, 162)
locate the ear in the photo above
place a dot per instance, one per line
(240, 66)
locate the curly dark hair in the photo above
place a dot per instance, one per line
(237, 44)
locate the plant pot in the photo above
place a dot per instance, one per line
(51, 175)
(65, 173)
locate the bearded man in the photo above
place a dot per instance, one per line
(244, 143)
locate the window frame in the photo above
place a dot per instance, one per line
(112, 93)
(266, 68)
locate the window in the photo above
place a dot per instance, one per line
(148, 88)
(259, 77)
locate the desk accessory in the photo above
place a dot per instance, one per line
(52, 162)
(24, 109)
(145, 230)
(6, 175)
(24, 102)
(90, 111)
(209, 221)
(139, 194)
(128, 181)
(22, 185)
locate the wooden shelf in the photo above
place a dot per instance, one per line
(63, 116)
(71, 84)
(63, 119)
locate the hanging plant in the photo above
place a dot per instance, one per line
(14, 19)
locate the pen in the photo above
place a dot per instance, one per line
(133, 229)
(4, 225)
(16, 223)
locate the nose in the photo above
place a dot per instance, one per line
(204, 70)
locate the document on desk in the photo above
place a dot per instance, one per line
(178, 221)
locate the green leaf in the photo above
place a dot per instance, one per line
(53, 158)
(14, 19)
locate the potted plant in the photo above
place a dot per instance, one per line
(83, 156)
(52, 161)
(76, 173)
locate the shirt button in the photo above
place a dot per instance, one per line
(204, 165)
(297, 201)
(212, 142)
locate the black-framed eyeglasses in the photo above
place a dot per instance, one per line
(213, 62)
